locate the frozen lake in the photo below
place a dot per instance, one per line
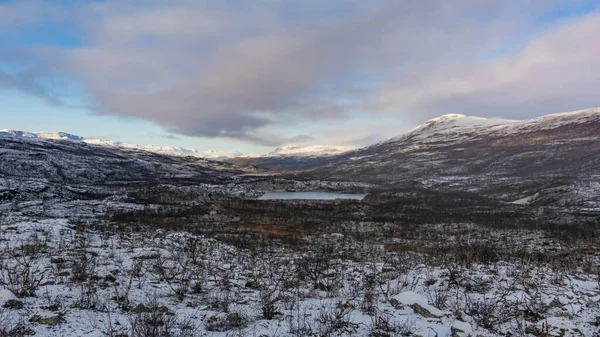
(253, 175)
(310, 196)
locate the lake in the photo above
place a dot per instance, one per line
(310, 196)
(253, 175)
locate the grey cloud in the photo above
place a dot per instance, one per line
(28, 84)
(167, 136)
(286, 76)
(205, 69)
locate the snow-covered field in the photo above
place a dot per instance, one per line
(59, 278)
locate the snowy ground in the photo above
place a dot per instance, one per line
(67, 279)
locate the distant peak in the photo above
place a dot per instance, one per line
(452, 116)
(310, 150)
(285, 148)
(59, 135)
(445, 118)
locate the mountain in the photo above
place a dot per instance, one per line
(292, 151)
(59, 135)
(293, 157)
(52, 177)
(16, 133)
(506, 159)
(309, 151)
(167, 150)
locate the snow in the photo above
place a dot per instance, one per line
(526, 200)
(457, 127)
(167, 150)
(6, 295)
(411, 297)
(16, 133)
(225, 271)
(463, 326)
(304, 151)
(59, 135)
(284, 151)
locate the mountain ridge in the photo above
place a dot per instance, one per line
(160, 149)
(285, 150)
(554, 157)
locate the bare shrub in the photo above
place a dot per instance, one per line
(321, 268)
(182, 269)
(21, 272)
(275, 274)
(155, 323)
(490, 312)
(337, 319)
(226, 322)
(154, 320)
(383, 326)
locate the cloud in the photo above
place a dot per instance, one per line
(554, 72)
(361, 131)
(168, 136)
(16, 15)
(28, 84)
(247, 69)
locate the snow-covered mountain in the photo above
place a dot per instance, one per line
(168, 150)
(284, 151)
(16, 133)
(304, 151)
(549, 155)
(456, 127)
(293, 157)
(59, 135)
(310, 151)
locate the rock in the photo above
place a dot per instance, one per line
(13, 304)
(555, 303)
(251, 284)
(422, 307)
(140, 309)
(456, 332)
(51, 320)
(461, 329)
(21, 331)
(555, 326)
(225, 322)
(394, 303)
(422, 311)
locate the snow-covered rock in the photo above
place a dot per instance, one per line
(5, 296)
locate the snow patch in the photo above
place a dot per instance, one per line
(5, 296)
(411, 297)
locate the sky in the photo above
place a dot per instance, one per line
(251, 75)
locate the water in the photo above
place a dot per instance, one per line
(310, 196)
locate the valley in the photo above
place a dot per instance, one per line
(467, 227)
